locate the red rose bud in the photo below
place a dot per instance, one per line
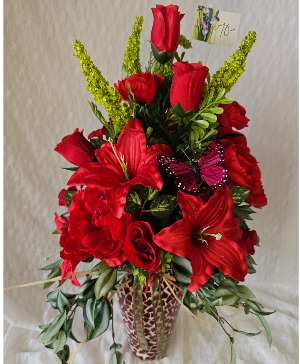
(76, 149)
(243, 171)
(165, 33)
(234, 115)
(248, 241)
(187, 85)
(142, 85)
(139, 246)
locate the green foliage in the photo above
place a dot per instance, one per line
(229, 73)
(239, 194)
(99, 87)
(105, 283)
(182, 270)
(243, 211)
(131, 63)
(166, 259)
(68, 197)
(117, 358)
(204, 125)
(55, 271)
(101, 320)
(162, 206)
(133, 202)
(139, 276)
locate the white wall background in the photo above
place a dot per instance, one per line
(45, 99)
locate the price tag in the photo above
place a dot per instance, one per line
(216, 26)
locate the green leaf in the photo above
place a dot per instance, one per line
(245, 291)
(202, 123)
(239, 194)
(178, 110)
(60, 341)
(243, 212)
(68, 197)
(183, 270)
(115, 346)
(226, 101)
(101, 321)
(222, 292)
(121, 274)
(220, 94)
(73, 169)
(267, 329)
(133, 202)
(163, 206)
(230, 300)
(89, 311)
(55, 326)
(86, 290)
(58, 300)
(216, 110)
(52, 266)
(209, 117)
(105, 282)
(54, 273)
(117, 358)
(64, 354)
(100, 268)
(148, 194)
(232, 352)
(162, 57)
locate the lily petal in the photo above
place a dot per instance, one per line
(226, 255)
(94, 174)
(202, 270)
(190, 205)
(116, 199)
(132, 145)
(217, 211)
(176, 238)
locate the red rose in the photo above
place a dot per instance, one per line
(76, 149)
(243, 171)
(234, 136)
(248, 241)
(187, 85)
(234, 115)
(139, 246)
(143, 86)
(165, 33)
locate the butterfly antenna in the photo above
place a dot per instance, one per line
(183, 151)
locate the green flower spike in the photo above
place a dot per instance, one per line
(99, 87)
(228, 74)
(131, 63)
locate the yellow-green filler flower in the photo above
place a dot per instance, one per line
(99, 87)
(131, 63)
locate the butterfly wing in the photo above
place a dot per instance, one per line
(210, 168)
(185, 176)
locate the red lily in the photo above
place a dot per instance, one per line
(127, 163)
(207, 235)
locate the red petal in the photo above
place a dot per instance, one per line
(227, 256)
(154, 151)
(132, 145)
(148, 176)
(116, 199)
(105, 155)
(104, 176)
(202, 270)
(190, 205)
(176, 239)
(158, 29)
(215, 214)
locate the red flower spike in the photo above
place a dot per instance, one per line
(127, 163)
(207, 235)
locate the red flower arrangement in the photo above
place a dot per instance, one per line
(162, 193)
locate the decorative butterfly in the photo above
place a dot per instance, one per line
(208, 169)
